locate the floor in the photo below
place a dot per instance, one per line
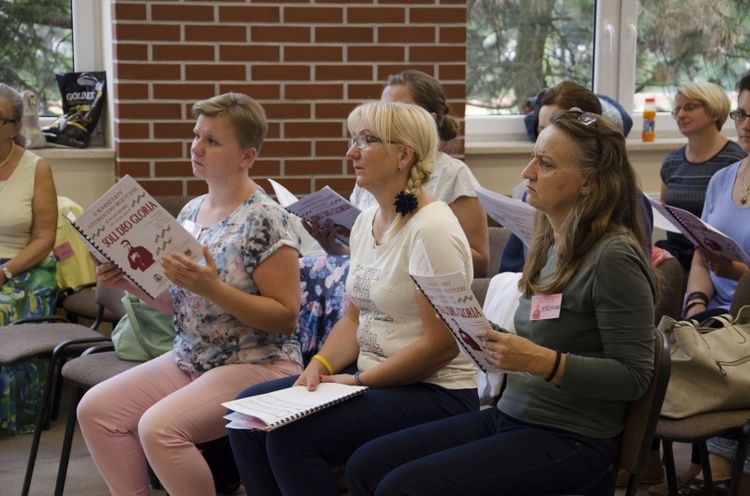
(84, 479)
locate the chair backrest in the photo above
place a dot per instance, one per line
(741, 294)
(111, 299)
(479, 287)
(498, 238)
(672, 290)
(643, 414)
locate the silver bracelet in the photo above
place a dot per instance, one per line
(8, 275)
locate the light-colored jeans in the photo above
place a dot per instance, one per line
(171, 411)
(728, 449)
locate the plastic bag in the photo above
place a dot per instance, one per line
(82, 99)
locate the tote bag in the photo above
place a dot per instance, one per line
(143, 333)
(710, 364)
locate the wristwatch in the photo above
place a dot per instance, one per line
(8, 275)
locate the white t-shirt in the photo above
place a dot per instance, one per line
(450, 179)
(380, 286)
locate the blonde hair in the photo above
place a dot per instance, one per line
(245, 115)
(712, 96)
(401, 124)
(611, 208)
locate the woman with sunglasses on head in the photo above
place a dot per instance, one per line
(28, 278)
(557, 429)
(390, 338)
(700, 109)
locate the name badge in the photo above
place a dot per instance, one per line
(193, 228)
(545, 307)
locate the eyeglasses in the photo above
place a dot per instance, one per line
(5, 121)
(688, 107)
(363, 141)
(738, 115)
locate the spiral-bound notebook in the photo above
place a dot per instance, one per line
(128, 228)
(271, 410)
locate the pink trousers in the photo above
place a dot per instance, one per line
(171, 412)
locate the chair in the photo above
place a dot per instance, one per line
(81, 302)
(672, 290)
(58, 341)
(699, 428)
(642, 417)
(741, 295)
(498, 238)
(96, 365)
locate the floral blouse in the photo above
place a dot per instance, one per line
(208, 336)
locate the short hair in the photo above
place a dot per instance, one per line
(612, 206)
(427, 92)
(245, 115)
(399, 124)
(566, 95)
(743, 84)
(712, 96)
(16, 102)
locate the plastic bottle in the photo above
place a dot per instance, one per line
(649, 120)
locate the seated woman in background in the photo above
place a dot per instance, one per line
(700, 109)
(233, 315)
(27, 271)
(390, 338)
(451, 180)
(557, 429)
(563, 96)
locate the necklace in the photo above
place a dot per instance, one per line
(9, 154)
(743, 200)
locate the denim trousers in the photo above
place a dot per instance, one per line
(299, 458)
(484, 452)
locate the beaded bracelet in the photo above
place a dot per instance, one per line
(325, 363)
(356, 379)
(552, 374)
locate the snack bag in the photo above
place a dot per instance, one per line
(82, 99)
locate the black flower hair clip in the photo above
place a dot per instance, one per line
(405, 203)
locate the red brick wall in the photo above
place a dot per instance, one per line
(307, 62)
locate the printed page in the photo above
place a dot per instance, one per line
(134, 232)
(324, 204)
(702, 234)
(453, 300)
(515, 215)
(271, 410)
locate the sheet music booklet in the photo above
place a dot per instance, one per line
(515, 215)
(324, 204)
(272, 410)
(129, 229)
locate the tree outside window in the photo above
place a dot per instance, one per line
(36, 41)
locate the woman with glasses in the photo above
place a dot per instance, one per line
(700, 109)
(390, 338)
(28, 281)
(451, 180)
(713, 280)
(557, 428)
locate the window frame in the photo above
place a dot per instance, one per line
(615, 45)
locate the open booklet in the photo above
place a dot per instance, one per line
(271, 410)
(701, 234)
(451, 297)
(515, 215)
(324, 204)
(129, 229)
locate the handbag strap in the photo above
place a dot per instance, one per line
(136, 325)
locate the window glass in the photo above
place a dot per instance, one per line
(689, 40)
(36, 41)
(517, 47)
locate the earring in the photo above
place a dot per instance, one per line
(399, 168)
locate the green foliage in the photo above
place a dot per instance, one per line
(36, 39)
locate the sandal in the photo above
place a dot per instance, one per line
(697, 487)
